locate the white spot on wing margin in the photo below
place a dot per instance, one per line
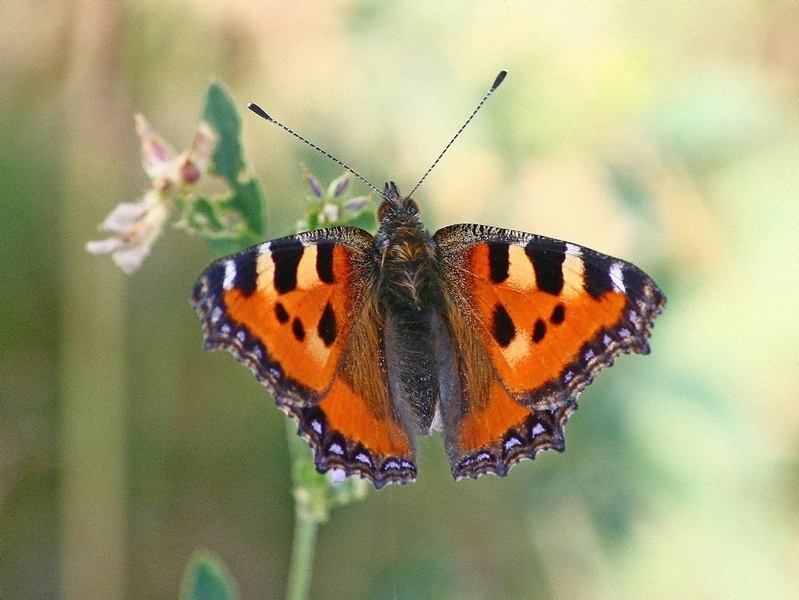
(230, 274)
(617, 277)
(574, 250)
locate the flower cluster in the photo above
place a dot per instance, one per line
(331, 206)
(136, 225)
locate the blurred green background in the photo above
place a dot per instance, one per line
(666, 133)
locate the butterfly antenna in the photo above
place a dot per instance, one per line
(494, 86)
(262, 113)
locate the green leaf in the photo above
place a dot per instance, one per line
(204, 215)
(220, 113)
(223, 229)
(249, 201)
(206, 578)
(234, 221)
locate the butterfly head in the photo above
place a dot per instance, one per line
(399, 218)
(397, 209)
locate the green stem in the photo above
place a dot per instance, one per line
(305, 529)
(308, 514)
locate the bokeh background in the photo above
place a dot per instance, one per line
(663, 132)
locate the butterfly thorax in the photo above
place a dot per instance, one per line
(404, 256)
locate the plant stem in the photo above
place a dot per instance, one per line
(306, 519)
(305, 529)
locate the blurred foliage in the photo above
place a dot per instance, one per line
(666, 133)
(206, 578)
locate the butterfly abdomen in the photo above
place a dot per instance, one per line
(409, 346)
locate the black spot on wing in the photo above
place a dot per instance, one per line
(286, 256)
(246, 278)
(504, 329)
(558, 315)
(498, 261)
(596, 276)
(327, 326)
(324, 262)
(297, 329)
(539, 330)
(547, 264)
(281, 314)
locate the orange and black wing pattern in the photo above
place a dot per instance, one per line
(532, 320)
(299, 312)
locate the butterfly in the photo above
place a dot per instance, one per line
(487, 335)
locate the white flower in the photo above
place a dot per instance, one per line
(138, 224)
(156, 154)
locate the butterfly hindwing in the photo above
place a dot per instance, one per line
(298, 311)
(539, 317)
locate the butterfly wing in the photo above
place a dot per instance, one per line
(299, 312)
(532, 319)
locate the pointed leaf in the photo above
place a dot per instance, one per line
(206, 578)
(228, 160)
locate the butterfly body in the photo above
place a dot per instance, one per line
(485, 334)
(408, 289)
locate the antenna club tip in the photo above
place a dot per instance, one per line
(500, 78)
(259, 111)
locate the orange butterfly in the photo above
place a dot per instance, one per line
(485, 334)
